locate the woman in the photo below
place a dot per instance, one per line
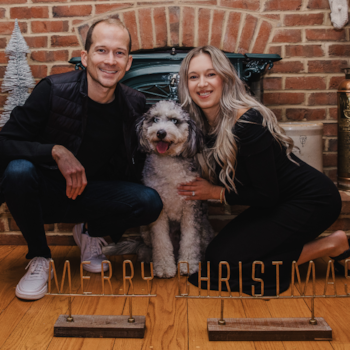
(248, 160)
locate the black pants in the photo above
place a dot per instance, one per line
(109, 207)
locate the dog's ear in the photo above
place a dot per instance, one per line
(143, 143)
(195, 140)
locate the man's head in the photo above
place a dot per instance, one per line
(107, 53)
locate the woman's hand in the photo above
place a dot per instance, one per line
(199, 189)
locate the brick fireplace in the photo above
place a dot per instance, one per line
(301, 86)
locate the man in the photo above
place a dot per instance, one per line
(70, 155)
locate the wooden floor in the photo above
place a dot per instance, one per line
(170, 323)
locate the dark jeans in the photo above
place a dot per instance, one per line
(109, 207)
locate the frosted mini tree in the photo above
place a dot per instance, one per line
(18, 76)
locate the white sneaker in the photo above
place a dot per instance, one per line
(33, 285)
(91, 249)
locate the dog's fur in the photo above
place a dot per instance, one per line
(168, 122)
(164, 170)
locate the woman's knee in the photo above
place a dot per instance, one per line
(18, 175)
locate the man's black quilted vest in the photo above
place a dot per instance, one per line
(68, 115)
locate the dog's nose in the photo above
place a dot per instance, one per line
(161, 134)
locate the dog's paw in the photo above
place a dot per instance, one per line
(193, 267)
(164, 271)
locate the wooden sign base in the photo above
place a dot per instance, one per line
(96, 326)
(268, 329)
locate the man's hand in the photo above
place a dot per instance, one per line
(71, 169)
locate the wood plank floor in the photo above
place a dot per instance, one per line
(171, 323)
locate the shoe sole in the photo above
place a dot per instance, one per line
(77, 234)
(96, 270)
(31, 296)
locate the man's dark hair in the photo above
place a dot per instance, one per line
(110, 20)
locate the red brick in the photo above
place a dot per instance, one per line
(333, 145)
(333, 66)
(325, 35)
(130, 22)
(146, 31)
(49, 26)
(2, 13)
(323, 98)
(3, 57)
(49, 56)
(287, 36)
(275, 50)
(282, 5)
(29, 12)
(203, 27)
(5, 2)
(48, 1)
(339, 50)
(2, 71)
(318, 4)
(83, 30)
(273, 17)
(303, 20)
(333, 113)
(232, 28)
(330, 129)
(102, 8)
(309, 114)
(287, 67)
(217, 27)
(159, 18)
(188, 19)
(72, 11)
(3, 99)
(39, 71)
(7, 27)
(330, 159)
(277, 113)
(284, 98)
(335, 82)
(65, 227)
(305, 83)
(58, 69)
(252, 5)
(194, 2)
(3, 43)
(247, 34)
(262, 38)
(174, 20)
(272, 83)
(36, 41)
(60, 40)
(304, 51)
(75, 53)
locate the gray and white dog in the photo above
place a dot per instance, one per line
(182, 232)
(171, 140)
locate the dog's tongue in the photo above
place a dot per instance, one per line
(162, 146)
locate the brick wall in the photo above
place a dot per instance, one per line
(302, 86)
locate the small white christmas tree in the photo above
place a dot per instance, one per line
(18, 76)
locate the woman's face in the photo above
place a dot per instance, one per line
(205, 86)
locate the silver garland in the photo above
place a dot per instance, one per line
(18, 76)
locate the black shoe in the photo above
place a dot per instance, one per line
(339, 268)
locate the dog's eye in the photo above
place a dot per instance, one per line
(155, 120)
(175, 121)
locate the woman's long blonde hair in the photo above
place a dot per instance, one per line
(234, 97)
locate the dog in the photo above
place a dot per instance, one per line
(171, 140)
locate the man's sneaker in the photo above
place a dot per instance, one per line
(33, 285)
(90, 248)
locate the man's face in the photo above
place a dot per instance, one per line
(108, 59)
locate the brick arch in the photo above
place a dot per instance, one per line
(189, 26)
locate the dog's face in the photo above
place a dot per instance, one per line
(166, 129)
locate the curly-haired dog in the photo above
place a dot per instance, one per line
(171, 140)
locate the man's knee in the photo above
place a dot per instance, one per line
(151, 203)
(20, 174)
